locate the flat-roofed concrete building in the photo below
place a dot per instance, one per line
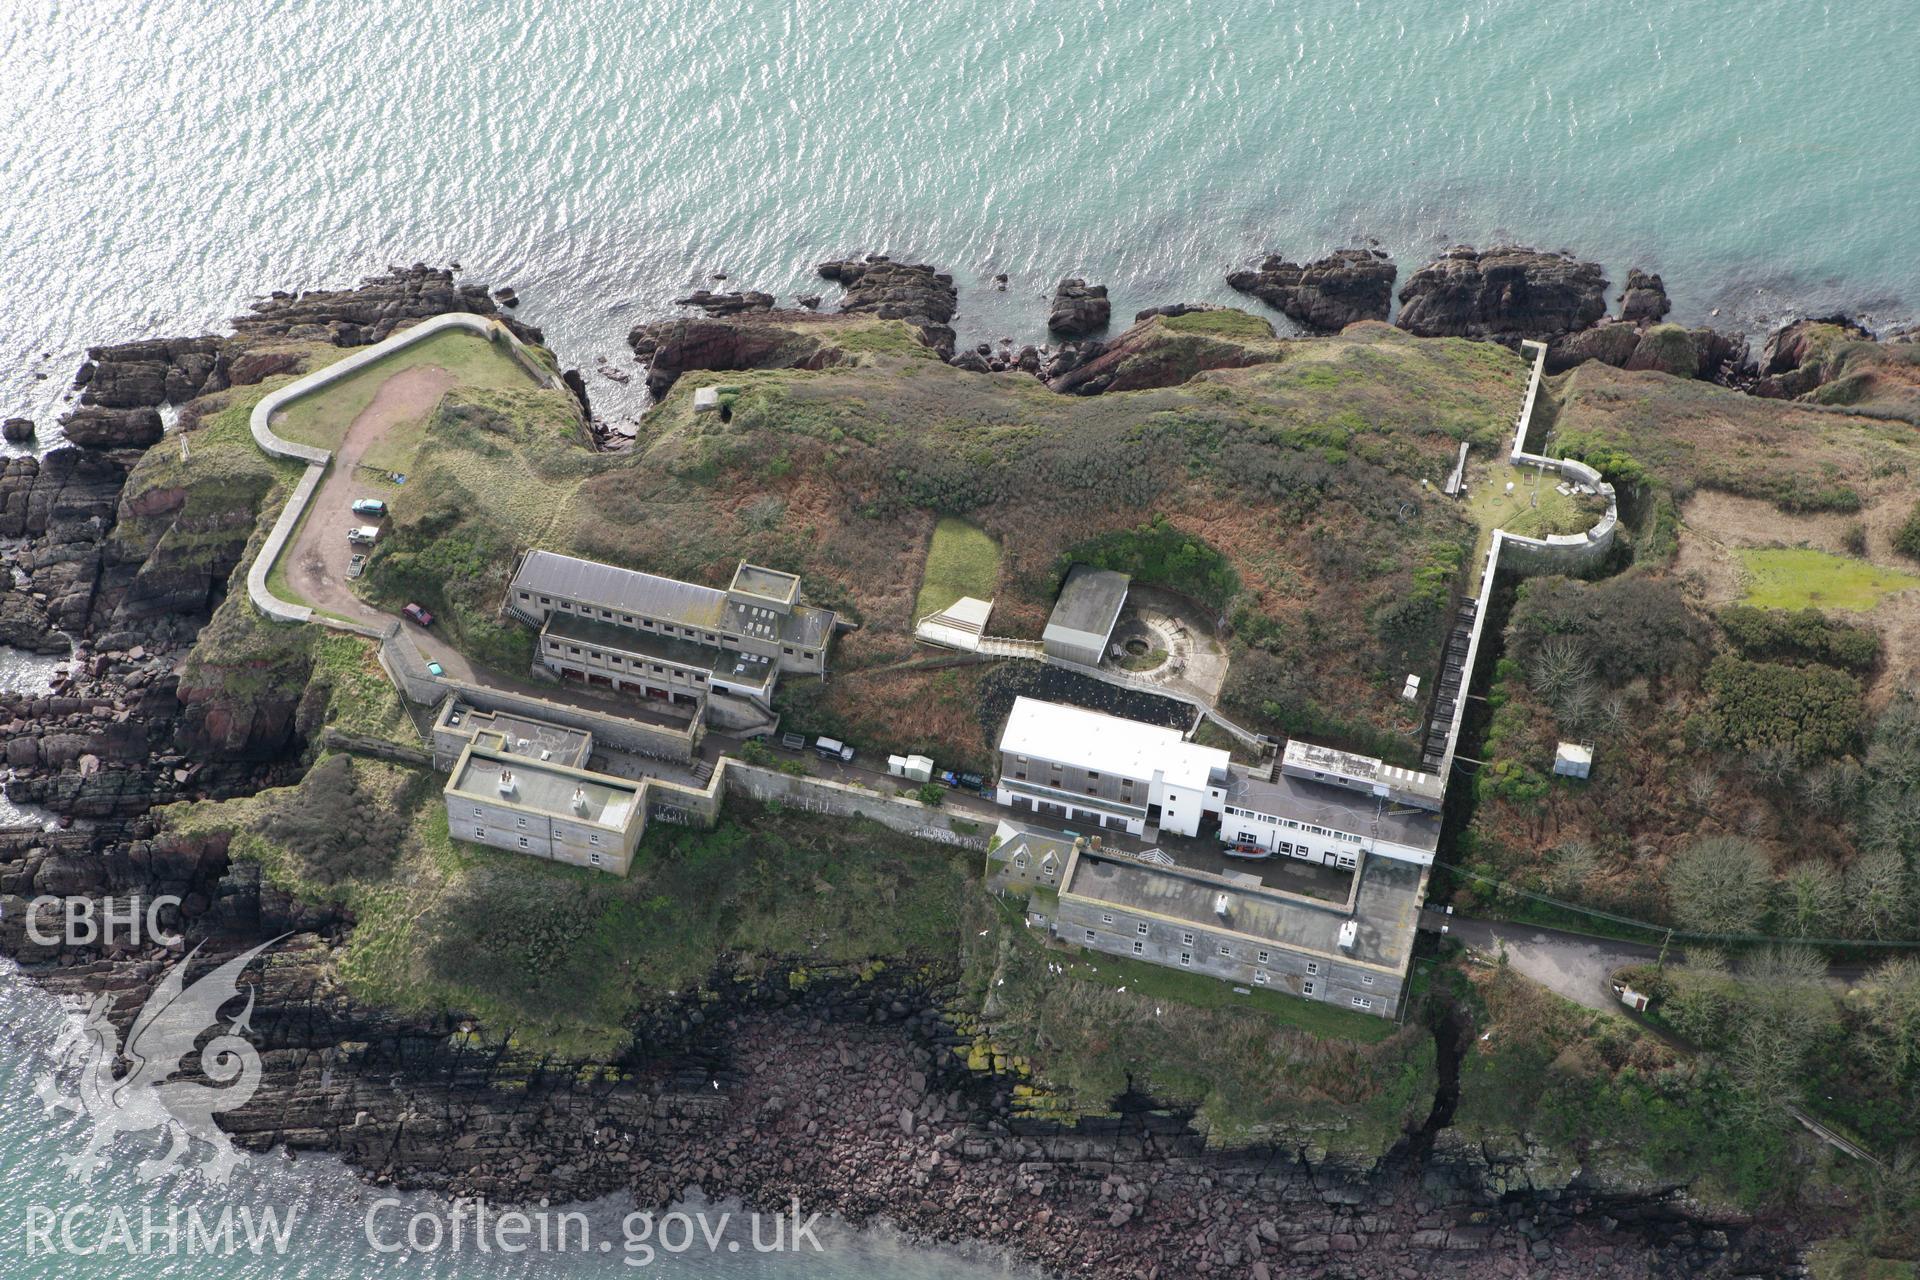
(1083, 616)
(459, 722)
(673, 641)
(1231, 926)
(1299, 814)
(1069, 765)
(500, 797)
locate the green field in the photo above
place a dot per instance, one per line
(322, 418)
(1802, 578)
(963, 560)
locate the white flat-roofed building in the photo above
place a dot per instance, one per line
(1070, 765)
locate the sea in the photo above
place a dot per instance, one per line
(164, 163)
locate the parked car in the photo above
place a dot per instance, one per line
(415, 614)
(794, 741)
(357, 565)
(369, 507)
(435, 669)
(833, 749)
(362, 535)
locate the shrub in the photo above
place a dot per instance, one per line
(1814, 711)
(338, 829)
(1801, 635)
(1906, 539)
(1719, 885)
(1157, 553)
(1627, 627)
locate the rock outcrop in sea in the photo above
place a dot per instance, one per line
(1505, 293)
(1078, 308)
(1327, 294)
(917, 293)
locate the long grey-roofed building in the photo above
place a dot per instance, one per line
(1323, 822)
(665, 638)
(1084, 614)
(1233, 927)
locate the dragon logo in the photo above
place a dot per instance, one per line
(143, 1098)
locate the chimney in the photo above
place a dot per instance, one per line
(1349, 935)
(1096, 844)
(1220, 906)
(506, 782)
(580, 800)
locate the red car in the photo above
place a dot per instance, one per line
(415, 614)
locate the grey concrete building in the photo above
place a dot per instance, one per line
(459, 723)
(666, 639)
(1232, 927)
(498, 796)
(1083, 616)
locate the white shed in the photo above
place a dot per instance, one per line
(1573, 759)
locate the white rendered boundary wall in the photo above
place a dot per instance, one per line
(261, 424)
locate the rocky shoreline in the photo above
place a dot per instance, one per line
(871, 1114)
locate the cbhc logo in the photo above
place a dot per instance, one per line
(86, 922)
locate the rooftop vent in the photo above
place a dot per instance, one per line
(1349, 934)
(1220, 904)
(506, 782)
(579, 800)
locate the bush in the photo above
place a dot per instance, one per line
(1627, 627)
(1906, 539)
(337, 829)
(1802, 635)
(1719, 885)
(1813, 711)
(1156, 554)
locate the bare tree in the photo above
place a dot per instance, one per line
(1572, 863)
(1889, 997)
(1703, 785)
(1810, 899)
(1877, 888)
(1558, 662)
(1719, 885)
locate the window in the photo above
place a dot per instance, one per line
(1367, 981)
(1186, 958)
(1263, 957)
(1224, 950)
(1139, 948)
(627, 618)
(1021, 776)
(595, 841)
(520, 823)
(1362, 1002)
(574, 649)
(524, 844)
(1141, 928)
(1187, 938)
(1089, 935)
(1313, 967)
(1092, 776)
(594, 858)
(477, 813)
(1106, 917)
(1020, 860)
(546, 599)
(479, 833)
(606, 613)
(807, 654)
(1260, 976)
(1306, 988)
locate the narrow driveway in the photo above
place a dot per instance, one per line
(1567, 964)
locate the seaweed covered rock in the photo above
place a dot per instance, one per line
(1079, 308)
(915, 292)
(1505, 293)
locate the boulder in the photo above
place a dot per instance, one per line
(1328, 294)
(1079, 308)
(17, 430)
(726, 304)
(1645, 298)
(1505, 293)
(97, 428)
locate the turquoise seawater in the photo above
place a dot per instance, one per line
(163, 161)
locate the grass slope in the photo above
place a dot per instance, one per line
(962, 560)
(1802, 578)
